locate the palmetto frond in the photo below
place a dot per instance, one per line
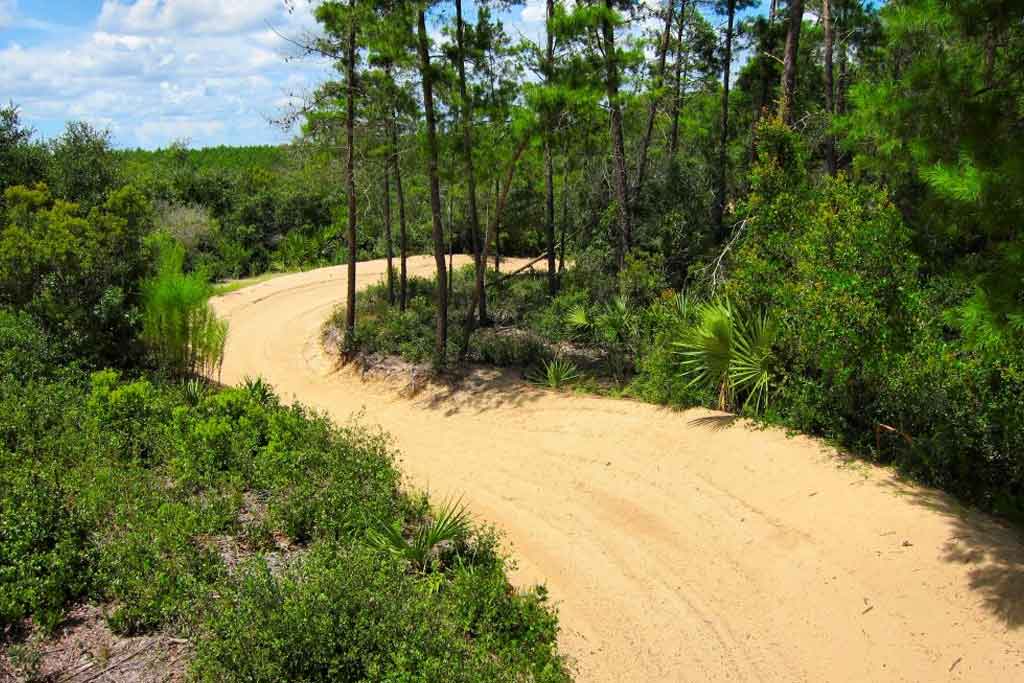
(450, 523)
(729, 352)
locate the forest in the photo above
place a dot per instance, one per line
(804, 212)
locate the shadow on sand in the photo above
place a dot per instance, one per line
(478, 390)
(992, 549)
(714, 423)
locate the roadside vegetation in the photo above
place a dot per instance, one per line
(206, 533)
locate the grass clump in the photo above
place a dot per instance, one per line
(179, 326)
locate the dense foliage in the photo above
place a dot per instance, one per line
(243, 524)
(249, 527)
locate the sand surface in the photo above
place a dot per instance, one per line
(678, 546)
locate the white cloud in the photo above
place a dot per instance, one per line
(160, 131)
(7, 10)
(154, 72)
(534, 11)
(195, 17)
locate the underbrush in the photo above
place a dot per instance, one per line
(242, 524)
(513, 339)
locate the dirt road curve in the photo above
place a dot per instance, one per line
(678, 546)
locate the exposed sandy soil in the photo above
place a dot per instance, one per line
(84, 649)
(678, 546)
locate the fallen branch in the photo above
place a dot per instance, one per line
(528, 265)
(879, 428)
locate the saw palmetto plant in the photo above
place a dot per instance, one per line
(730, 352)
(449, 523)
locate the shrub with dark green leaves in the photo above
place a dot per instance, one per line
(353, 614)
(25, 351)
(77, 272)
(44, 553)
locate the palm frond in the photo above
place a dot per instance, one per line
(555, 374)
(729, 352)
(577, 318)
(449, 524)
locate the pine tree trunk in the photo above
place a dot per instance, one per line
(387, 235)
(437, 231)
(500, 199)
(565, 215)
(789, 69)
(843, 83)
(549, 163)
(680, 77)
(350, 185)
(830, 104)
(403, 237)
(652, 107)
(467, 154)
(723, 143)
(620, 180)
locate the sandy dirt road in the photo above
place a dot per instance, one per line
(677, 546)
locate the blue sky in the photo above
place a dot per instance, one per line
(155, 71)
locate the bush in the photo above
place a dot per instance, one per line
(869, 356)
(76, 272)
(962, 412)
(833, 264)
(22, 160)
(44, 556)
(326, 618)
(25, 351)
(83, 166)
(191, 225)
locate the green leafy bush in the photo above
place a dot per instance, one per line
(77, 272)
(44, 554)
(25, 352)
(325, 618)
(158, 501)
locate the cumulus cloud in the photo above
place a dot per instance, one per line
(196, 17)
(157, 71)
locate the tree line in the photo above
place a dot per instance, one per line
(601, 99)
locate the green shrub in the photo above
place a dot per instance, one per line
(131, 415)
(508, 348)
(642, 279)
(44, 556)
(76, 272)
(834, 264)
(83, 167)
(25, 351)
(352, 614)
(962, 413)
